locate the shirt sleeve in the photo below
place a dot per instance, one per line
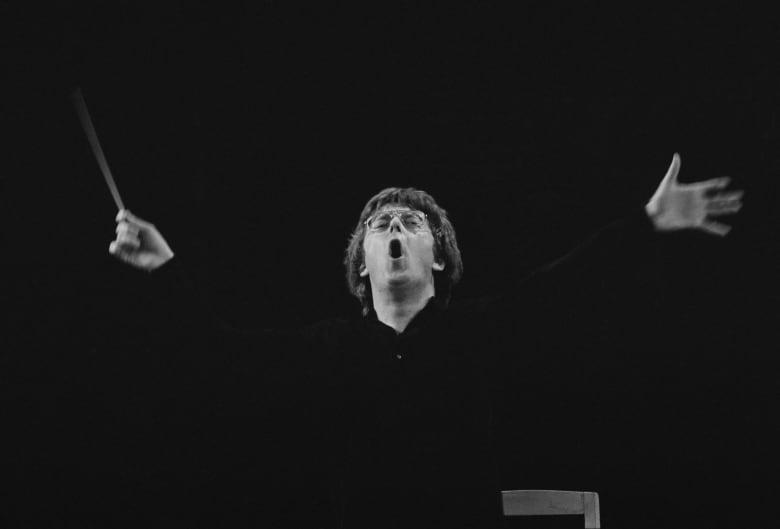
(284, 356)
(611, 258)
(539, 323)
(263, 402)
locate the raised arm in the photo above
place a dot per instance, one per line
(673, 207)
(614, 257)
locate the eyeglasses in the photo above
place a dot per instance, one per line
(412, 220)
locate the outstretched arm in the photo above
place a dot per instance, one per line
(612, 258)
(676, 206)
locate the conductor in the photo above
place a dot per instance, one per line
(410, 381)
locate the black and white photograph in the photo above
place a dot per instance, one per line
(397, 265)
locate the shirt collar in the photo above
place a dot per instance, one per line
(433, 308)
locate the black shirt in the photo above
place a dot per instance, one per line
(404, 422)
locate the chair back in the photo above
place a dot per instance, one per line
(551, 502)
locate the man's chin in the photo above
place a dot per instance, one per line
(401, 279)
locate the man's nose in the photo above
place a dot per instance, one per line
(396, 224)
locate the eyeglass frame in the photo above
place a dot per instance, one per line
(396, 214)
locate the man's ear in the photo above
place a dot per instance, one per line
(363, 270)
(438, 266)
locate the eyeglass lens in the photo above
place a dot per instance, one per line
(412, 220)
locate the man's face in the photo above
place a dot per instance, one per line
(399, 256)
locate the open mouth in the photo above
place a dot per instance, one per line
(395, 249)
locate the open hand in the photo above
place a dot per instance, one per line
(676, 206)
(138, 243)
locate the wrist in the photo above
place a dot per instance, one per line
(653, 211)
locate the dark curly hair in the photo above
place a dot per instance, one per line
(445, 247)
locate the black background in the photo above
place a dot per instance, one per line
(253, 135)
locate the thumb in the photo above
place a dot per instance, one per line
(671, 174)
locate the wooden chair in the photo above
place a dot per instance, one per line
(542, 502)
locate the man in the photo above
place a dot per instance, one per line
(408, 389)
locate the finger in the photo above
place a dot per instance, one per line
(723, 209)
(715, 228)
(721, 201)
(126, 250)
(128, 242)
(715, 183)
(126, 216)
(725, 202)
(671, 174)
(115, 249)
(119, 252)
(728, 197)
(125, 227)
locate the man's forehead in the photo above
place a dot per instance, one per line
(388, 207)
